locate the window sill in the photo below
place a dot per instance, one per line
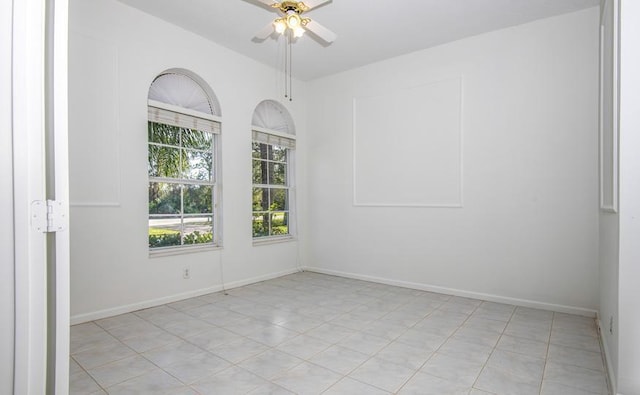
(273, 240)
(171, 251)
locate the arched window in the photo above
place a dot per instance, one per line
(273, 145)
(183, 129)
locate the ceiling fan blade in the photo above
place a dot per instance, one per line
(313, 3)
(265, 32)
(321, 31)
(268, 2)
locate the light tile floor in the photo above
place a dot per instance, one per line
(309, 333)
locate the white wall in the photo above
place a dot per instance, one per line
(115, 52)
(529, 226)
(6, 205)
(528, 229)
(629, 289)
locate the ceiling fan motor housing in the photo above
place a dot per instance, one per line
(291, 18)
(287, 6)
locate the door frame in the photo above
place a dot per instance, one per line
(40, 157)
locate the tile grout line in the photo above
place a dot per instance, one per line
(484, 365)
(439, 347)
(546, 357)
(388, 300)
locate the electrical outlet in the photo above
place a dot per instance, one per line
(611, 325)
(186, 273)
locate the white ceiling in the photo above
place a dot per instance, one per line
(368, 30)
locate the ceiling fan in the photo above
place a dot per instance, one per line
(293, 20)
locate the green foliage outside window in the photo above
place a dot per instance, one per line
(180, 166)
(270, 190)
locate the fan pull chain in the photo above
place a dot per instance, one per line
(288, 79)
(286, 63)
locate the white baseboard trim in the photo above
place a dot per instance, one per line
(110, 312)
(606, 356)
(458, 292)
(253, 280)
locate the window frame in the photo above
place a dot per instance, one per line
(289, 186)
(214, 183)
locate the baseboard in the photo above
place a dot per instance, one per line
(110, 312)
(606, 356)
(458, 292)
(253, 280)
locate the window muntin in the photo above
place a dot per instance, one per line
(181, 186)
(271, 190)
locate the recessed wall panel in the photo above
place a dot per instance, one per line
(408, 146)
(94, 165)
(609, 108)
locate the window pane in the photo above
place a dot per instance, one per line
(279, 153)
(164, 232)
(197, 199)
(277, 173)
(163, 134)
(262, 151)
(197, 139)
(259, 172)
(164, 162)
(260, 199)
(278, 200)
(164, 198)
(198, 165)
(152, 164)
(280, 223)
(198, 230)
(255, 150)
(260, 224)
(270, 205)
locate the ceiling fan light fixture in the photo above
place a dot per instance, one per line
(293, 21)
(291, 25)
(280, 25)
(298, 32)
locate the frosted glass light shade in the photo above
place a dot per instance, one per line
(298, 32)
(280, 26)
(293, 21)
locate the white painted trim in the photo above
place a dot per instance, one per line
(414, 205)
(601, 112)
(28, 92)
(61, 168)
(628, 314)
(7, 229)
(606, 356)
(182, 250)
(182, 110)
(461, 148)
(611, 206)
(459, 203)
(273, 132)
(95, 204)
(96, 315)
(264, 277)
(458, 292)
(616, 103)
(267, 240)
(110, 312)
